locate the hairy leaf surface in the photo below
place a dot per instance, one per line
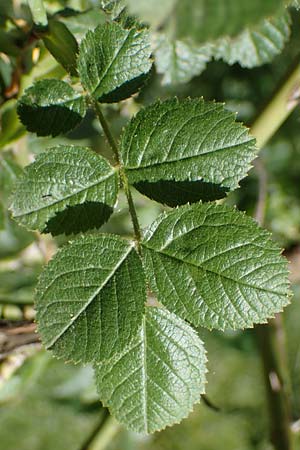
(51, 107)
(215, 267)
(158, 378)
(90, 298)
(186, 141)
(66, 190)
(114, 61)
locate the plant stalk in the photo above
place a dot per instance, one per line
(271, 337)
(124, 179)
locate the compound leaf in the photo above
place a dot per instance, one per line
(158, 378)
(215, 267)
(182, 142)
(257, 45)
(114, 61)
(66, 190)
(51, 107)
(90, 298)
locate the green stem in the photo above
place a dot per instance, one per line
(105, 435)
(271, 337)
(279, 107)
(124, 179)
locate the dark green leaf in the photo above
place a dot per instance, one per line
(51, 107)
(66, 190)
(215, 267)
(114, 61)
(186, 141)
(158, 378)
(90, 298)
(62, 45)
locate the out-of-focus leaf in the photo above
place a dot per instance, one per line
(180, 60)
(257, 45)
(11, 128)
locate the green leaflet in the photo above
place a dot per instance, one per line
(114, 61)
(257, 45)
(214, 266)
(180, 60)
(90, 298)
(51, 107)
(210, 19)
(193, 145)
(158, 378)
(62, 45)
(66, 190)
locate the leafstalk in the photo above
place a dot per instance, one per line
(125, 183)
(271, 337)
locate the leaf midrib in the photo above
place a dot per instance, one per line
(49, 205)
(242, 283)
(91, 298)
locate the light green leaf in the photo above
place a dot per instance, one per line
(11, 128)
(90, 298)
(215, 267)
(158, 378)
(114, 61)
(155, 12)
(186, 141)
(210, 19)
(257, 45)
(66, 190)
(179, 61)
(51, 107)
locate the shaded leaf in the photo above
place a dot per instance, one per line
(114, 62)
(186, 141)
(210, 19)
(158, 378)
(215, 267)
(257, 45)
(179, 61)
(51, 107)
(90, 298)
(66, 190)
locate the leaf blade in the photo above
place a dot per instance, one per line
(168, 378)
(114, 61)
(187, 141)
(84, 312)
(60, 179)
(215, 267)
(51, 107)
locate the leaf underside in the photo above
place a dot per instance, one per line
(51, 107)
(186, 141)
(90, 298)
(159, 376)
(214, 266)
(67, 189)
